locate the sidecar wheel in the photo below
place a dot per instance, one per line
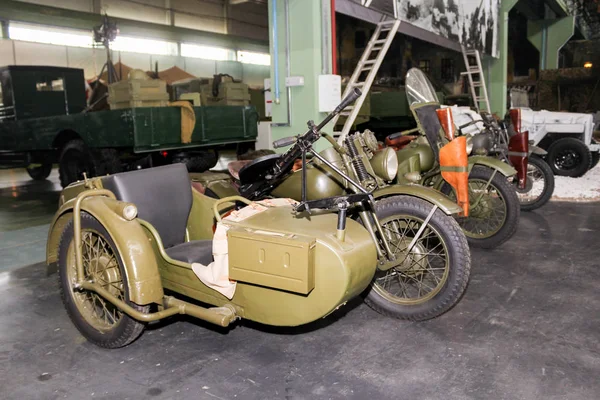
(495, 218)
(540, 185)
(97, 319)
(433, 276)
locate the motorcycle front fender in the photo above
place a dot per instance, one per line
(138, 257)
(430, 195)
(493, 163)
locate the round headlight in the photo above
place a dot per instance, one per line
(129, 212)
(391, 164)
(385, 164)
(469, 144)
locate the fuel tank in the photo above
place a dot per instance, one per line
(416, 157)
(322, 181)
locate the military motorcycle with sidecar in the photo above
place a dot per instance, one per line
(493, 203)
(119, 241)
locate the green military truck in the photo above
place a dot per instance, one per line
(43, 121)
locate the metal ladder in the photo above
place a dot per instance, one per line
(368, 65)
(476, 79)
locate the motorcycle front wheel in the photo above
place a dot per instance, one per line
(428, 280)
(493, 208)
(540, 185)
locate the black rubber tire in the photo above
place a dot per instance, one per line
(576, 146)
(127, 330)
(107, 162)
(509, 194)
(548, 184)
(458, 253)
(40, 173)
(75, 158)
(199, 161)
(595, 159)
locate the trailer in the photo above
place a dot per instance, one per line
(44, 120)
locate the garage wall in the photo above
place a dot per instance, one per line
(13, 52)
(246, 19)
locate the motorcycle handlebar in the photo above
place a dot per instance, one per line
(284, 142)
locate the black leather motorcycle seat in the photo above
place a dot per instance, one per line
(162, 195)
(195, 251)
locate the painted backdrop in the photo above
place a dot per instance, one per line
(473, 23)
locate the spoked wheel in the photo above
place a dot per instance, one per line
(428, 280)
(97, 319)
(493, 208)
(540, 185)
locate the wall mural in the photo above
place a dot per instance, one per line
(470, 22)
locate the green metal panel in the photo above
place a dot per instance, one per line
(549, 36)
(144, 129)
(498, 66)
(159, 128)
(306, 46)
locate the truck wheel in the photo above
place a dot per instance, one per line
(107, 162)
(569, 157)
(98, 320)
(197, 161)
(430, 279)
(75, 159)
(40, 173)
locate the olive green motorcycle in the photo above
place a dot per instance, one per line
(494, 205)
(423, 256)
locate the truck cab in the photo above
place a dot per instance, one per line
(39, 91)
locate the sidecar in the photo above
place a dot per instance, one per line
(121, 241)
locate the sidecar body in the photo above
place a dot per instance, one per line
(152, 224)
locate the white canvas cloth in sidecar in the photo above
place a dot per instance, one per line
(216, 274)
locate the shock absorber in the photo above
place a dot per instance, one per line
(359, 167)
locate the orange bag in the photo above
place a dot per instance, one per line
(454, 166)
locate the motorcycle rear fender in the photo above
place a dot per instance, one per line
(493, 163)
(138, 257)
(430, 195)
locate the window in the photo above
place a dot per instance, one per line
(79, 38)
(50, 35)
(248, 57)
(424, 66)
(207, 52)
(50, 85)
(144, 46)
(448, 70)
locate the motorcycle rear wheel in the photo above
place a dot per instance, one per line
(430, 279)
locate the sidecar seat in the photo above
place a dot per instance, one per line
(163, 197)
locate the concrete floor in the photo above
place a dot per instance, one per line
(527, 328)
